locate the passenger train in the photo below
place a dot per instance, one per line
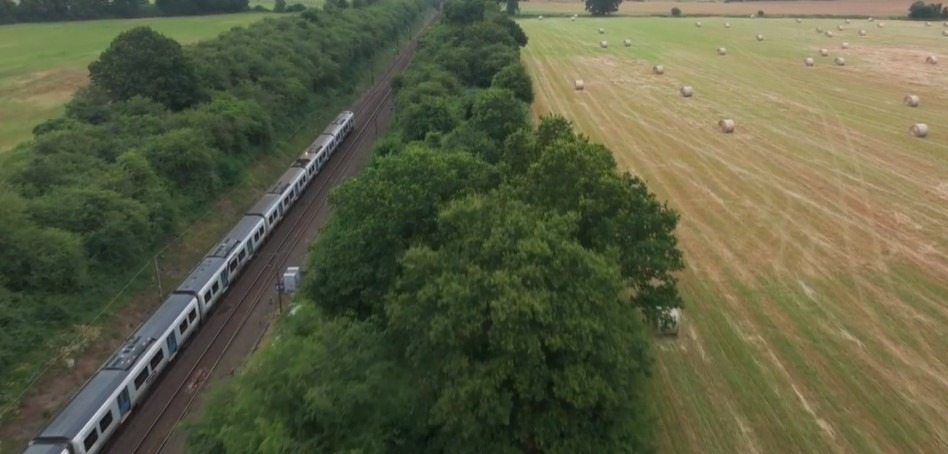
(95, 412)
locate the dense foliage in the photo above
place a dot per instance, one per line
(148, 144)
(920, 10)
(603, 7)
(66, 10)
(479, 288)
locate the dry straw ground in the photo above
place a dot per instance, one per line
(815, 235)
(877, 8)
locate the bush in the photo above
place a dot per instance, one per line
(760, 13)
(676, 12)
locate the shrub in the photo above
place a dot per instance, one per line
(676, 12)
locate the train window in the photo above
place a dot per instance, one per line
(192, 315)
(91, 439)
(155, 360)
(140, 379)
(233, 265)
(242, 255)
(215, 287)
(183, 326)
(106, 421)
(207, 297)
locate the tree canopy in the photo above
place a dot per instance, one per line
(483, 286)
(603, 7)
(142, 62)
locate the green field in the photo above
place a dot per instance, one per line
(41, 65)
(815, 236)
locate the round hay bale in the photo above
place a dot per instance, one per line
(819, 30)
(540, 18)
(603, 44)
(722, 51)
(919, 130)
(687, 91)
(911, 101)
(880, 24)
(870, 19)
(669, 321)
(931, 60)
(727, 25)
(944, 33)
(658, 69)
(848, 21)
(946, 24)
(698, 24)
(928, 24)
(572, 19)
(726, 125)
(760, 37)
(798, 20)
(839, 27)
(844, 45)
(808, 61)
(840, 61)
(602, 31)
(579, 85)
(824, 52)
(627, 42)
(828, 34)
(862, 33)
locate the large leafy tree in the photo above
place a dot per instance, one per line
(142, 62)
(603, 7)
(520, 335)
(617, 212)
(376, 217)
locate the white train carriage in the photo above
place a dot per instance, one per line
(270, 208)
(339, 129)
(105, 401)
(315, 156)
(290, 186)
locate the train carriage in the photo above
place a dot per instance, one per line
(103, 402)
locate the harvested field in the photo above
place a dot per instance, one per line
(815, 235)
(876, 8)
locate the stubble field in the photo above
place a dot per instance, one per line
(815, 235)
(41, 65)
(877, 8)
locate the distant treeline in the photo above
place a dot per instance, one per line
(160, 133)
(920, 10)
(66, 10)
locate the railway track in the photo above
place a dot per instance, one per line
(151, 429)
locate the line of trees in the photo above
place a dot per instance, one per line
(66, 10)
(160, 132)
(921, 10)
(479, 288)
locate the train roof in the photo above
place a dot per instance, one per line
(321, 141)
(84, 404)
(242, 230)
(150, 331)
(54, 448)
(200, 275)
(289, 178)
(263, 206)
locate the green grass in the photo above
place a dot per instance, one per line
(816, 286)
(41, 65)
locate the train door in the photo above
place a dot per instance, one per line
(124, 403)
(225, 276)
(172, 344)
(280, 209)
(250, 246)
